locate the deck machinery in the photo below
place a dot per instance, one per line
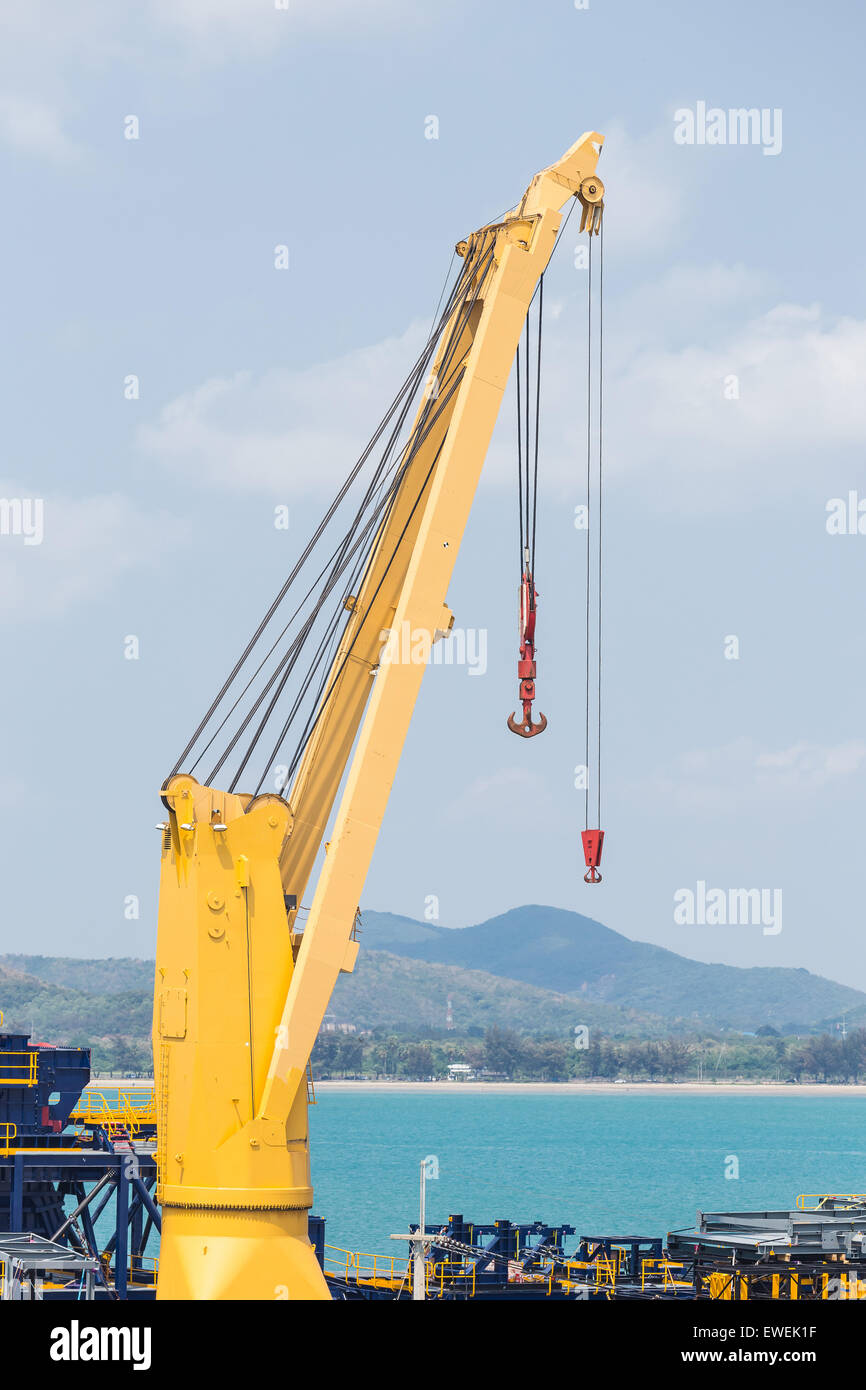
(77, 1174)
(811, 1253)
(816, 1250)
(39, 1088)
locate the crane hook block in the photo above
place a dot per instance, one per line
(592, 843)
(525, 728)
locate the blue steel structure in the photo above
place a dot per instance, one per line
(505, 1249)
(89, 1186)
(636, 1248)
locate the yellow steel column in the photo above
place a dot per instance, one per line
(235, 1189)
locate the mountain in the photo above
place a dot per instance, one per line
(51, 1010)
(65, 1000)
(101, 976)
(531, 969)
(551, 948)
(388, 990)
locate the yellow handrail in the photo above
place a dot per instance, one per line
(143, 1264)
(807, 1200)
(449, 1273)
(133, 1110)
(376, 1269)
(667, 1270)
(29, 1067)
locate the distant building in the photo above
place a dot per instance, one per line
(460, 1071)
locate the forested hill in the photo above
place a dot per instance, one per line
(551, 948)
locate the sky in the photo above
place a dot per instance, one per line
(735, 430)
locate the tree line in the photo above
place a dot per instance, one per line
(509, 1055)
(505, 1054)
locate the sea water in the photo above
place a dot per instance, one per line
(607, 1164)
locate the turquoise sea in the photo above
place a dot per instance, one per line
(606, 1164)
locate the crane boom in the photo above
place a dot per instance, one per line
(239, 996)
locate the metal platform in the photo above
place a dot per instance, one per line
(815, 1250)
(77, 1169)
(27, 1260)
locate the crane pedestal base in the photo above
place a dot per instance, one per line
(222, 1254)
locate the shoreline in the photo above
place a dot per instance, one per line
(610, 1088)
(558, 1088)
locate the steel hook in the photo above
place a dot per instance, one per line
(525, 727)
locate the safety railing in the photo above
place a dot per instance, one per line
(364, 1268)
(143, 1269)
(600, 1272)
(131, 1111)
(18, 1068)
(789, 1286)
(808, 1201)
(449, 1274)
(651, 1268)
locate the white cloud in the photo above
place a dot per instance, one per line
(260, 25)
(674, 344)
(688, 302)
(287, 431)
(493, 798)
(671, 433)
(680, 432)
(48, 51)
(741, 775)
(87, 546)
(33, 127)
(645, 190)
(13, 791)
(798, 378)
(805, 766)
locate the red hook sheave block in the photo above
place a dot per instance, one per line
(592, 843)
(592, 854)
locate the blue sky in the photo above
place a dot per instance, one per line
(258, 387)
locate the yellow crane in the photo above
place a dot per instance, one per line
(240, 992)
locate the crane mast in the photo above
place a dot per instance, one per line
(240, 993)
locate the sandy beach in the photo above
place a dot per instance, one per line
(560, 1088)
(607, 1088)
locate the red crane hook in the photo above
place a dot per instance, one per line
(526, 664)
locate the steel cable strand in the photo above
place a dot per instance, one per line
(415, 444)
(313, 721)
(342, 493)
(355, 581)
